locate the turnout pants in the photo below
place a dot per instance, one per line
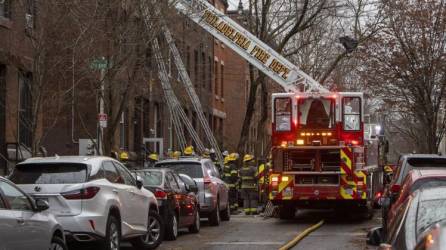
(233, 198)
(250, 201)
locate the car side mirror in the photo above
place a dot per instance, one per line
(194, 188)
(139, 182)
(42, 205)
(375, 237)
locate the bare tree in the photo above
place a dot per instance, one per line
(405, 68)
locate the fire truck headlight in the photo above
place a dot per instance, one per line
(274, 179)
(300, 142)
(285, 178)
(329, 134)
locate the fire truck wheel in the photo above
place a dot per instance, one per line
(287, 212)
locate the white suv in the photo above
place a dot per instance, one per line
(94, 198)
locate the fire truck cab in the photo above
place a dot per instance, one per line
(318, 151)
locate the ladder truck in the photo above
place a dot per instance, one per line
(318, 146)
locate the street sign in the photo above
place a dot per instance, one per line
(102, 118)
(100, 64)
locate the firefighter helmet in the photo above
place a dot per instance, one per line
(189, 151)
(176, 154)
(154, 157)
(124, 156)
(206, 153)
(248, 157)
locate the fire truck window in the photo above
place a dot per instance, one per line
(352, 113)
(316, 113)
(282, 108)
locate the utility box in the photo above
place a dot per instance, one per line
(87, 147)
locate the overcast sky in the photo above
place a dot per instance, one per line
(233, 4)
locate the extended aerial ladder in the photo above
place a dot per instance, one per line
(248, 46)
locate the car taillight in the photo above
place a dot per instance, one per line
(81, 194)
(160, 194)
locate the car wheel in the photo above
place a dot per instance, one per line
(226, 214)
(214, 218)
(195, 228)
(113, 234)
(287, 212)
(154, 235)
(172, 228)
(58, 244)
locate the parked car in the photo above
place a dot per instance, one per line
(177, 201)
(25, 222)
(419, 212)
(212, 191)
(416, 179)
(94, 198)
(406, 163)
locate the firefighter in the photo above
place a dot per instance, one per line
(176, 155)
(152, 159)
(248, 185)
(231, 177)
(207, 153)
(189, 151)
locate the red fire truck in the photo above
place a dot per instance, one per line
(318, 152)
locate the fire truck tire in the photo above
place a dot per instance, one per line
(287, 212)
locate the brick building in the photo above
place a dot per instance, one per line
(16, 21)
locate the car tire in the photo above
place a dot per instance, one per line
(226, 214)
(195, 228)
(171, 228)
(58, 243)
(214, 217)
(287, 212)
(154, 236)
(112, 234)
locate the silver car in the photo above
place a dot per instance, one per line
(26, 223)
(94, 198)
(213, 192)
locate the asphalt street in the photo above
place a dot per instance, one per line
(340, 231)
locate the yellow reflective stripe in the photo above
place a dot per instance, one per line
(247, 178)
(346, 159)
(234, 172)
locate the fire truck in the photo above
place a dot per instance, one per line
(318, 151)
(318, 147)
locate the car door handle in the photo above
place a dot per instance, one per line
(115, 191)
(20, 221)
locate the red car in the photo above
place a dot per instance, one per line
(415, 180)
(177, 200)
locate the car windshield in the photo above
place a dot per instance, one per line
(192, 169)
(316, 113)
(45, 173)
(430, 212)
(427, 162)
(151, 178)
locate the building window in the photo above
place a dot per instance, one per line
(210, 74)
(188, 60)
(216, 78)
(196, 62)
(30, 16)
(203, 70)
(222, 81)
(5, 8)
(25, 111)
